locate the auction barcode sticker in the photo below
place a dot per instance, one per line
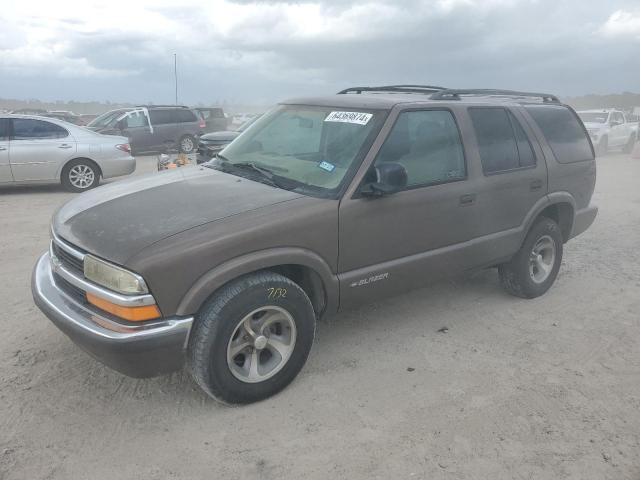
(349, 117)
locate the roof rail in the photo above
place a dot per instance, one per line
(455, 93)
(394, 89)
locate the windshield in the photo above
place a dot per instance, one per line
(105, 119)
(594, 117)
(248, 123)
(317, 149)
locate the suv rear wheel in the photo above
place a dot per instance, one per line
(187, 144)
(534, 268)
(251, 339)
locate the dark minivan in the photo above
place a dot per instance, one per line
(153, 128)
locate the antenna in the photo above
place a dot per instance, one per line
(175, 73)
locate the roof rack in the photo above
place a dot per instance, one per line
(454, 94)
(394, 89)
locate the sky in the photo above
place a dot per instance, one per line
(245, 51)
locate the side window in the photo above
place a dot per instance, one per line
(525, 150)
(136, 119)
(427, 143)
(30, 129)
(564, 132)
(4, 129)
(502, 141)
(496, 139)
(185, 116)
(217, 113)
(618, 118)
(205, 114)
(161, 117)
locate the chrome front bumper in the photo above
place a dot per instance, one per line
(138, 350)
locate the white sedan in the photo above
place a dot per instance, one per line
(38, 149)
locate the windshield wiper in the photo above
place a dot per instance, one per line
(272, 179)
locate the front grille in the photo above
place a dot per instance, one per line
(74, 292)
(68, 260)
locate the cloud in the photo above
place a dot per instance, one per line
(622, 23)
(261, 51)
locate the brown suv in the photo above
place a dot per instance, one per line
(322, 204)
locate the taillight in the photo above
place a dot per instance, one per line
(125, 147)
(202, 123)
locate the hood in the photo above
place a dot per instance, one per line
(117, 221)
(594, 125)
(220, 136)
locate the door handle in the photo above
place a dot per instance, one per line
(65, 145)
(469, 199)
(535, 185)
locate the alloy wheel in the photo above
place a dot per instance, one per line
(261, 344)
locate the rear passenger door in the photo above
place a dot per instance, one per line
(165, 135)
(136, 127)
(514, 174)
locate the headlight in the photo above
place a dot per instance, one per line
(113, 277)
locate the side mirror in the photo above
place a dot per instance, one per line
(389, 177)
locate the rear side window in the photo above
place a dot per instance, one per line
(427, 144)
(185, 116)
(501, 139)
(30, 129)
(136, 119)
(4, 129)
(160, 117)
(563, 131)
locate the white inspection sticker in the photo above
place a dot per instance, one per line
(349, 117)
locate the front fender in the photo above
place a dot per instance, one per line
(260, 260)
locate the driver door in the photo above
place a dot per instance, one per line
(399, 241)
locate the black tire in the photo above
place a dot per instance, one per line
(516, 276)
(218, 320)
(628, 148)
(187, 144)
(75, 170)
(603, 146)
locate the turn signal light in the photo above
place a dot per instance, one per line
(132, 314)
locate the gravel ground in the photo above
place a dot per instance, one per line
(514, 389)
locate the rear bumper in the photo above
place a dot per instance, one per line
(144, 350)
(583, 220)
(117, 168)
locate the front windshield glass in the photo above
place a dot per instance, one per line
(105, 119)
(594, 117)
(314, 149)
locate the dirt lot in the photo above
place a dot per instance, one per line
(545, 388)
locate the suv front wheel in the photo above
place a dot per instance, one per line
(534, 268)
(251, 339)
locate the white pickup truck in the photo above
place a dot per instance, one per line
(609, 128)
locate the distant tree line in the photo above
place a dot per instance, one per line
(623, 101)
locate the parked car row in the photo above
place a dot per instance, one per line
(40, 149)
(160, 128)
(211, 144)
